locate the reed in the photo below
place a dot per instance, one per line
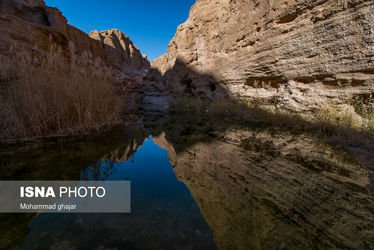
(48, 95)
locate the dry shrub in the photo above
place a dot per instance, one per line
(328, 121)
(345, 117)
(365, 108)
(47, 95)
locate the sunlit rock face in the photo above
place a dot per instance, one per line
(122, 49)
(299, 54)
(122, 54)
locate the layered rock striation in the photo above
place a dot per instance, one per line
(299, 54)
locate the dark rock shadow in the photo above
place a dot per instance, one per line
(181, 81)
(262, 179)
(159, 88)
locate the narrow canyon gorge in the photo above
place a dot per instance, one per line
(299, 55)
(260, 179)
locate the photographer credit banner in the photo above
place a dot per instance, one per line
(65, 196)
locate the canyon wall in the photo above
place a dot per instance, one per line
(30, 27)
(301, 55)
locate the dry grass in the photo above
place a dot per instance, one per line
(326, 122)
(45, 95)
(365, 108)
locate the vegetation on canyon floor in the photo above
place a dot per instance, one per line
(355, 120)
(47, 95)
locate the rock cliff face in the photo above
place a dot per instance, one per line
(301, 54)
(31, 27)
(121, 49)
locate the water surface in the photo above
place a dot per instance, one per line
(199, 183)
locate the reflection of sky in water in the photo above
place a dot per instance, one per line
(163, 212)
(150, 161)
(149, 171)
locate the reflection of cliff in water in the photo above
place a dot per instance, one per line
(159, 204)
(268, 188)
(60, 159)
(256, 187)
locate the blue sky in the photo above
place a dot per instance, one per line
(150, 24)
